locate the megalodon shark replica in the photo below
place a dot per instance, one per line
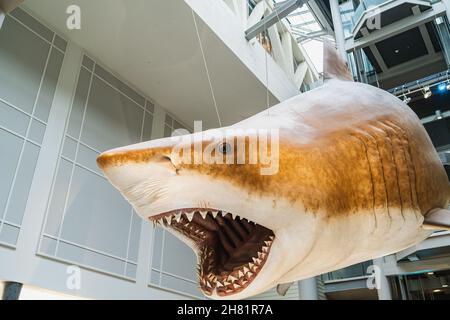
(342, 174)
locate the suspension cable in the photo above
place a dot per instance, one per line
(206, 68)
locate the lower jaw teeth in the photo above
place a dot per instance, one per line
(197, 225)
(228, 283)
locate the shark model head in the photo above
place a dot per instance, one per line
(295, 191)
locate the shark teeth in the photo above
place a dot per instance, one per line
(203, 213)
(213, 277)
(231, 278)
(190, 216)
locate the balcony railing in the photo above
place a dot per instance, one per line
(366, 5)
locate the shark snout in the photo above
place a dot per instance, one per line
(158, 151)
(139, 171)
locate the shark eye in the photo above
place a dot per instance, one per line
(224, 148)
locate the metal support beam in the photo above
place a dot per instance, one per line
(11, 291)
(375, 52)
(282, 11)
(311, 35)
(321, 19)
(424, 31)
(303, 24)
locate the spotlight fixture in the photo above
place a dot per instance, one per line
(442, 87)
(426, 92)
(406, 99)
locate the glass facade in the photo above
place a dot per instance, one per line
(421, 286)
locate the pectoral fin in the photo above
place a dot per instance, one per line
(282, 288)
(437, 219)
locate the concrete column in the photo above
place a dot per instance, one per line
(338, 28)
(307, 289)
(11, 291)
(383, 287)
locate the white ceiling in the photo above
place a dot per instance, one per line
(153, 46)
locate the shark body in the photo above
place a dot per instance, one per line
(356, 180)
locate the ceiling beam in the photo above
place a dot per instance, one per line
(311, 35)
(424, 32)
(306, 23)
(411, 65)
(282, 11)
(434, 241)
(375, 52)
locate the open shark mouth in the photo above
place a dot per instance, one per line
(231, 250)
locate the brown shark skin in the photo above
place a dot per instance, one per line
(346, 156)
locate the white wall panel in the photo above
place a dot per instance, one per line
(56, 207)
(30, 65)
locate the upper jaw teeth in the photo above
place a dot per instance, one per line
(189, 214)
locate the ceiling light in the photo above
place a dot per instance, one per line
(430, 273)
(444, 285)
(442, 86)
(437, 290)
